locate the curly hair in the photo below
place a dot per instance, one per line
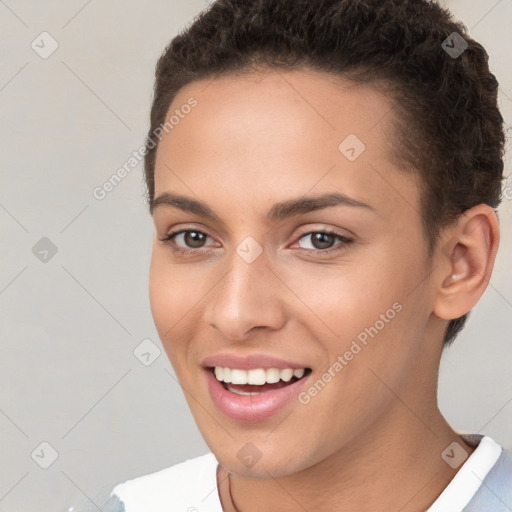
(448, 125)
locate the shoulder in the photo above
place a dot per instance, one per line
(190, 486)
(495, 493)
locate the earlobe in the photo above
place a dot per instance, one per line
(465, 262)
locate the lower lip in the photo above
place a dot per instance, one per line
(252, 407)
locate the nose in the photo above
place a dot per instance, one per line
(246, 300)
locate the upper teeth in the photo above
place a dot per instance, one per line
(258, 376)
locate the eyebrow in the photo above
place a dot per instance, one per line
(278, 211)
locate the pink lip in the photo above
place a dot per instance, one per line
(252, 408)
(250, 362)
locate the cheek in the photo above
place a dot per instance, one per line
(342, 300)
(172, 298)
(162, 296)
(174, 289)
(361, 310)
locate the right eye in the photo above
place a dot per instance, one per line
(185, 241)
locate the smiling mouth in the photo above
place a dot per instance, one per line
(258, 380)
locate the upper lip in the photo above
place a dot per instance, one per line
(250, 362)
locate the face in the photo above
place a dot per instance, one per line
(305, 256)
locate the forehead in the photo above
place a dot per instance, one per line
(274, 134)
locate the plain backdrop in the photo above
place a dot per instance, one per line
(71, 320)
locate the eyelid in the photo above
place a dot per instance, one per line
(185, 228)
(333, 231)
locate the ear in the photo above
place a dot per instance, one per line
(465, 261)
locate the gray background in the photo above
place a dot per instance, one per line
(69, 325)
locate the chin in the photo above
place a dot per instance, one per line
(261, 459)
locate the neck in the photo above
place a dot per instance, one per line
(384, 468)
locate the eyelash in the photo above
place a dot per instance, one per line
(169, 240)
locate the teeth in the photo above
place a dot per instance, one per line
(258, 376)
(273, 375)
(286, 375)
(239, 392)
(219, 373)
(298, 373)
(238, 377)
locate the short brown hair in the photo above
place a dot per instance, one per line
(448, 125)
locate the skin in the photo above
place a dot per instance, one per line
(267, 137)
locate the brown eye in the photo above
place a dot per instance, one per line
(322, 240)
(194, 239)
(186, 240)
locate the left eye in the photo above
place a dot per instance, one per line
(322, 240)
